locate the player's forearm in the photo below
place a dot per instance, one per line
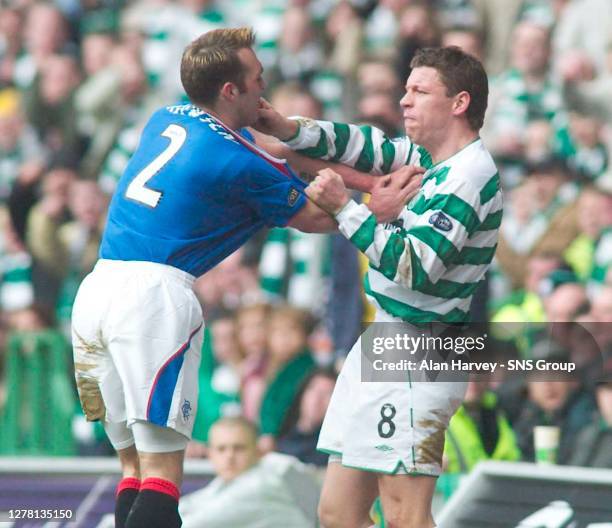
(312, 219)
(309, 167)
(321, 223)
(364, 148)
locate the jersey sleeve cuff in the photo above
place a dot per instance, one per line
(307, 134)
(351, 217)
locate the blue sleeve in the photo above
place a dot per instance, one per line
(274, 196)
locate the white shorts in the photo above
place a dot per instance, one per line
(388, 427)
(137, 334)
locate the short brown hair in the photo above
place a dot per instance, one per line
(459, 72)
(211, 60)
(299, 317)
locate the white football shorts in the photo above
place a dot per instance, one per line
(137, 332)
(388, 427)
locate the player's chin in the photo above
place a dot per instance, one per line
(412, 131)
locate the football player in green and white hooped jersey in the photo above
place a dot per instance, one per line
(424, 268)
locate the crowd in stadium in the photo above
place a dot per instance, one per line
(78, 79)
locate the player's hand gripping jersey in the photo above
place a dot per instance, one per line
(426, 265)
(194, 192)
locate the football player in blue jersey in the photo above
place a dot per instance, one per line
(195, 190)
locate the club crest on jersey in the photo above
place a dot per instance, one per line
(292, 197)
(441, 221)
(186, 409)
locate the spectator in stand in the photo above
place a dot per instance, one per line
(598, 320)
(16, 290)
(299, 52)
(593, 446)
(568, 300)
(418, 28)
(550, 224)
(560, 401)
(11, 28)
(469, 40)
(109, 101)
(344, 31)
(585, 149)
(289, 364)
(50, 104)
(378, 76)
(590, 253)
(22, 155)
(252, 330)
(380, 109)
(273, 491)
(478, 431)
(519, 96)
(64, 232)
(45, 35)
(220, 371)
(583, 40)
(301, 428)
(52, 206)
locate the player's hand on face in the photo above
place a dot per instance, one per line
(270, 122)
(393, 191)
(327, 190)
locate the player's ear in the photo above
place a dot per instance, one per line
(461, 103)
(229, 90)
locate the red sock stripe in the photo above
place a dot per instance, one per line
(161, 486)
(128, 483)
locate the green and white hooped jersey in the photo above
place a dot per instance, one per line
(426, 265)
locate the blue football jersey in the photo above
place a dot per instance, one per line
(194, 192)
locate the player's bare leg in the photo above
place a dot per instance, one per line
(347, 497)
(130, 466)
(406, 500)
(167, 466)
(128, 488)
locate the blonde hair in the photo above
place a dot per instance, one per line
(235, 421)
(211, 60)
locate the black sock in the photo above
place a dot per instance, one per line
(127, 490)
(156, 506)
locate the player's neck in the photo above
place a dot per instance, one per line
(226, 117)
(451, 144)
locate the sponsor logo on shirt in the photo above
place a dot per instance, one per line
(441, 221)
(397, 226)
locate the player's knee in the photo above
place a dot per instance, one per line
(400, 515)
(332, 516)
(329, 516)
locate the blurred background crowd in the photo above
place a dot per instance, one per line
(78, 80)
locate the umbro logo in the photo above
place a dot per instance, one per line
(441, 221)
(383, 447)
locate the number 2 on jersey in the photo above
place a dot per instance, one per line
(137, 189)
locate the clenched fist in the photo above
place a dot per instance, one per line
(327, 190)
(393, 191)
